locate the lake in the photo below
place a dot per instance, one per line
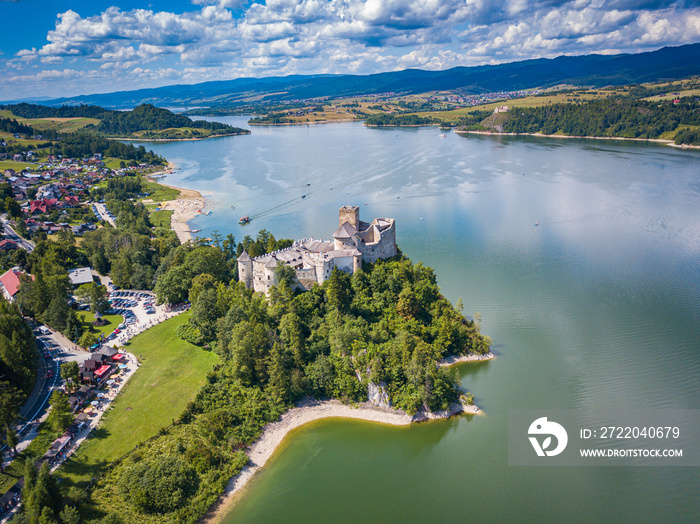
(583, 259)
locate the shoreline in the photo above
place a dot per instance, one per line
(193, 139)
(275, 433)
(472, 357)
(188, 204)
(663, 141)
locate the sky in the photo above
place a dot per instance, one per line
(53, 48)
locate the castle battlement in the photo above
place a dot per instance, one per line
(353, 243)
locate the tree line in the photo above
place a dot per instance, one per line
(612, 117)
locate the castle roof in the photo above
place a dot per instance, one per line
(346, 230)
(244, 257)
(272, 262)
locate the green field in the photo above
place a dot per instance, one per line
(170, 374)
(17, 166)
(112, 322)
(160, 193)
(161, 218)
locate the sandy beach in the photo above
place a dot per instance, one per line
(310, 411)
(276, 432)
(185, 207)
(472, 357)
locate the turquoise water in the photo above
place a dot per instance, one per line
(596, 306)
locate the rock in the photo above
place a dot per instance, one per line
(378, 395)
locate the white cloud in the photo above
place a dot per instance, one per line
(225, 38)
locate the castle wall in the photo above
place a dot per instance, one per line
(305, 278)
(259, 278)
(385, 246)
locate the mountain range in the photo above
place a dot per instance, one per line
(668, 63)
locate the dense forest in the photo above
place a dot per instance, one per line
(9, 125)
(385, 119)
(81, 144)
(147, 117)
(144, 117)
(26, 110)
(17, 365)
(612, 117)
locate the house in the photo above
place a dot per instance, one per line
(10, 282)
(17, 157)
(96, 369)
(8, 245)
(42, 206)
(72, 201)
(10, 173)
(80, 276)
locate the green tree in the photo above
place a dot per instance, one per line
(70, 372)
(69, 515)
(13, 208)
(60, 416)
(11, 439)
(159, 485)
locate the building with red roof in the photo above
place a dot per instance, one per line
(10, 283)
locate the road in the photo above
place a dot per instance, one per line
(36, 406)
(11, 234)
(104, 214)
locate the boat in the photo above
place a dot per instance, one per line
(537, 223)
(207, 213)
(244, 220)
(442, 135)
(303, 196)
(195, 230)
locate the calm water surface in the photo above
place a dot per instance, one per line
(596, 306)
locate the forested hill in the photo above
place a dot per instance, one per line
(145, 120)
(590, 70)
(612, 117)
(147, 117)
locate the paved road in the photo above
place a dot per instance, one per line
(11, 234)
(36, 406)
(104, 214)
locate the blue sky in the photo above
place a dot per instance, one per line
(60, 48)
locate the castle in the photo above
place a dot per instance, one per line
(354, 242)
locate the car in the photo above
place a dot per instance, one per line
(49, 373)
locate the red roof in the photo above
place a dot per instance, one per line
(102, 370)
(43, 206)
(118, 356)
(8, 244)
(11, 281)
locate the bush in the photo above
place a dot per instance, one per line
(160, 485)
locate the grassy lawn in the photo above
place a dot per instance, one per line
(17, 166)
(112, 322)
(170, 374)
(159, 193)
(161, 218)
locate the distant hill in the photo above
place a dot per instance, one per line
(144, 121)
(590, 70)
